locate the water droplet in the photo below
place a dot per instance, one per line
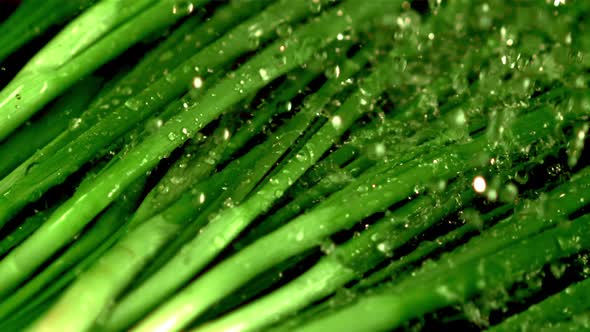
(385, 248)
(133, 104)
(154, 125)
(299, 236)
(576, 146)
(75, 123)
(226, 134)
(336, 121)
(284, 30)
(509, 193)
(315, 6)
(197, 82)
(460, 118)
(327, 247)
(479, 184)
(264, 74)
(31, 167)
(447, 293)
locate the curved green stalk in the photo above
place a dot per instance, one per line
(184, 42)
(573, 300)
(95, 37)
(345, 263)
(427, 247)
(388, 309)
(25, 229)
(129, 253)
(105, 226)
(311, 228)
(32, 18)
(260, 159)
(271, 63)
(28, 139)
(218, 148)
(55, 167)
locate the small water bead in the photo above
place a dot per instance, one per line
(197, 82)
(299, 236)
(133, 104)
(315, 6)
(327, 246)
(336, 121)
(460, 119)
(479, 184)
(183, 7)
(492, 195)
(75, 123)
(380, 149)
(509, 193)
(226, 134)
(576, 146)
(154, 124)
(264, 74)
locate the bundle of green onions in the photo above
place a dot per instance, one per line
(295, 165)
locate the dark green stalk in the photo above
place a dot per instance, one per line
(427, 247)
(573, 300)
(388, 309)
(32, 18)
(341, 265)
(181, 44)
(95, 37)
(25, 229)
(310, 229)
(54, 168)
(259, 160)
(58, 118)
(105, 226)
(219, 148)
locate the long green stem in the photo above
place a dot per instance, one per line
(26, 228)
(389, 309)
(342, 265)
(260, 159)
(183, 43)
(106, 225)
(220, 146)
(310, 229)
(574, 300)
(32, 18)
(259, 71)
(101, 33)
(427, 247)
(28, 139)
(56, 167)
